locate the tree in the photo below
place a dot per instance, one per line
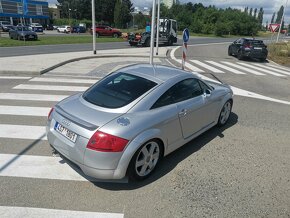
(246, 11)
(260, 17)
(280, 14)
(251, 11)
(255, 12)
(122, 14)
(273, 17)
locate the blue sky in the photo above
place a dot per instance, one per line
(269, 6)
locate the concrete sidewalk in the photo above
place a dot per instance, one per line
(42, 63)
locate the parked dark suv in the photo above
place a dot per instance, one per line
(252, 48)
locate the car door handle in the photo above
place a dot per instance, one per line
(183, 112)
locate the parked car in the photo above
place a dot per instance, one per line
(78, 29)
(103, 30)
(49, 27)
(36, 27)
(125, 123)
(64, 29)
(5, 26)
(22, 33)
(251, 48)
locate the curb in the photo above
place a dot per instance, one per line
(40, 72)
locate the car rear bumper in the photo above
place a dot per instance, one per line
(254, 54)
(99, 165)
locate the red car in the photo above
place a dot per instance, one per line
(107, 31)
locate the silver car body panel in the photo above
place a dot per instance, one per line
(174, 124)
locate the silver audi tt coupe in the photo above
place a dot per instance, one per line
(125, 123)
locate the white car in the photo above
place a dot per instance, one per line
(64, 29)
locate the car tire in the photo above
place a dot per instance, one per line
(147, 43)
(145, 160)
(97, 35)
(262, 59)
(115, 35)
(230, 52)
(225, 113)
(240, 55)
(170, 42)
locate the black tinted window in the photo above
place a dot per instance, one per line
(181, 91)
(117, 90)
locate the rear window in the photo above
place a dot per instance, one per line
(255, 42)
(117, 90)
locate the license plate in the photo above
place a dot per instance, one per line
(257, 48)
(31, 37)
(65, 132)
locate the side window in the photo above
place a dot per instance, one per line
(184, 90)
(203, 86)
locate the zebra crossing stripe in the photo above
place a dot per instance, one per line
(280, 67)
(243, 68)
(6, 212)
(225, 67)
(272, 68)
(52, 88)
(24, 111)
(22, 132)
(213, 69)
(261, 69)
(31, 97)
(63, 80)
(15, 77)
(41, 167)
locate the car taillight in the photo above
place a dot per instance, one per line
(248, 46)
(104, 142)
(48, 116)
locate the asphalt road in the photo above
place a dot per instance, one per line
(47, 49)
(240, 170)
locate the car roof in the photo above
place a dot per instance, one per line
(156, 73)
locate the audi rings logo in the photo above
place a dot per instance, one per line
(65, 122)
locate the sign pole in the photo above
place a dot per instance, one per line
(185, 36)
(94, 27)
(157, 24)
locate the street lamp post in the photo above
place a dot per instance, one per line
(152, 31)
(157, 23)
(94, 27)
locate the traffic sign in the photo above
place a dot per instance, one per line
(185, 35)
(273, 27)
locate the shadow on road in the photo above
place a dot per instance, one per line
(171, 161)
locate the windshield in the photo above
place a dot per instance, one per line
(24, 28)
(117, 90)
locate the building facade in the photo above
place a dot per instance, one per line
(24, 11)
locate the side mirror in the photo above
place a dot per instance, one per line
(208, 92)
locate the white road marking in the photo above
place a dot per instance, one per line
(186, 63)
(278, 66)
(243, 68)
(236, 91)
(273, 68)
(260, 69)
(213, 69)
(31, 97)
(22, 132)
(41, 167)
(6, 212)
(25, 111)
(63, 80)
(52, 88)
(225, 67)
(15, 77)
